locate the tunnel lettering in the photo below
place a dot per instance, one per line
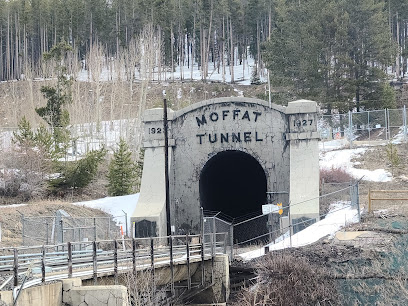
(225, 114)
(229, 137)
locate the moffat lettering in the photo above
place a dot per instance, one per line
(226, 114)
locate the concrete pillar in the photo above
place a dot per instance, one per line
(304, 161)
(150, 212)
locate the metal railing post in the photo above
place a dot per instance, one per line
(134, 255)
(115, 261)
(95, 264)
(43, 264)
(202, 260)
(69, 259)
(188, 263)
(15, 267)
(152, 260)
(171, 265)
(94, 221)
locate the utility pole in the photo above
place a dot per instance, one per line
(166, 165)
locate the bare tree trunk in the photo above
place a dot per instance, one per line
(232, 53)
(399, 49)
(8, 51)
(223, 50)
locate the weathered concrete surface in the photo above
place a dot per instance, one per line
(304, 159)
(74, 294)
(46, 295)
(218, 277)
(282, 140)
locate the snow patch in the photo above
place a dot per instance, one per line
(340, 215)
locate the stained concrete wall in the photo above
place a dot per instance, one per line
(74, 294)
(282, 140)
(304, 159)
(46, 295)
(190, 130)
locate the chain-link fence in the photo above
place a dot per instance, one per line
(275, 228)
(63, 228)
(377, 125)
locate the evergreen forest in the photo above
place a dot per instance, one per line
(328, 50)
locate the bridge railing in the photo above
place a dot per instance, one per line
(28, 266)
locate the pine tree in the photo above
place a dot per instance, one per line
(78, 174)
(122, 171)
(24, 137)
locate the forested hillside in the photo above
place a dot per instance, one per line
(333, 50)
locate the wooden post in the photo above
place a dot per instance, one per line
(69, 260)
(43, 265)
(15, 267)
(188, 263)
(115, 261)
(95, 271)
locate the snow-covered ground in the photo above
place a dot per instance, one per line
(343, 159)
(116, 206)
(340, 215)
(242, 73)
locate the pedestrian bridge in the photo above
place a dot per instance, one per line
(185, 266)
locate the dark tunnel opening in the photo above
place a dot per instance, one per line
(234, 183)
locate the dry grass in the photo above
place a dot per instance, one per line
(284, 279)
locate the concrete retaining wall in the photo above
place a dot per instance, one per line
(47, 295)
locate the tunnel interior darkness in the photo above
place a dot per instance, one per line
(234, 183)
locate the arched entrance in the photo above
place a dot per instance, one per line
(234, 183)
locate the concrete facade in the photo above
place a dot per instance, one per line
(74, 294)
(46, 295)
(282, 140)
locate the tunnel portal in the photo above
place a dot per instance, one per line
(234, 183)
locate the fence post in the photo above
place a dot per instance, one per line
(47, 230)
(134, 255)
(15, 268)
(95, 266)
(115, 261)
(126, 223)
(232, 242)
(188, 263)
(94, 220)
(152, 260)
(358, 201)
(171, 265)
(43, 265)
(369, 200)
(69, 259)
(202, 260)
(388, 121)
(368, 127)
(386, 124)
